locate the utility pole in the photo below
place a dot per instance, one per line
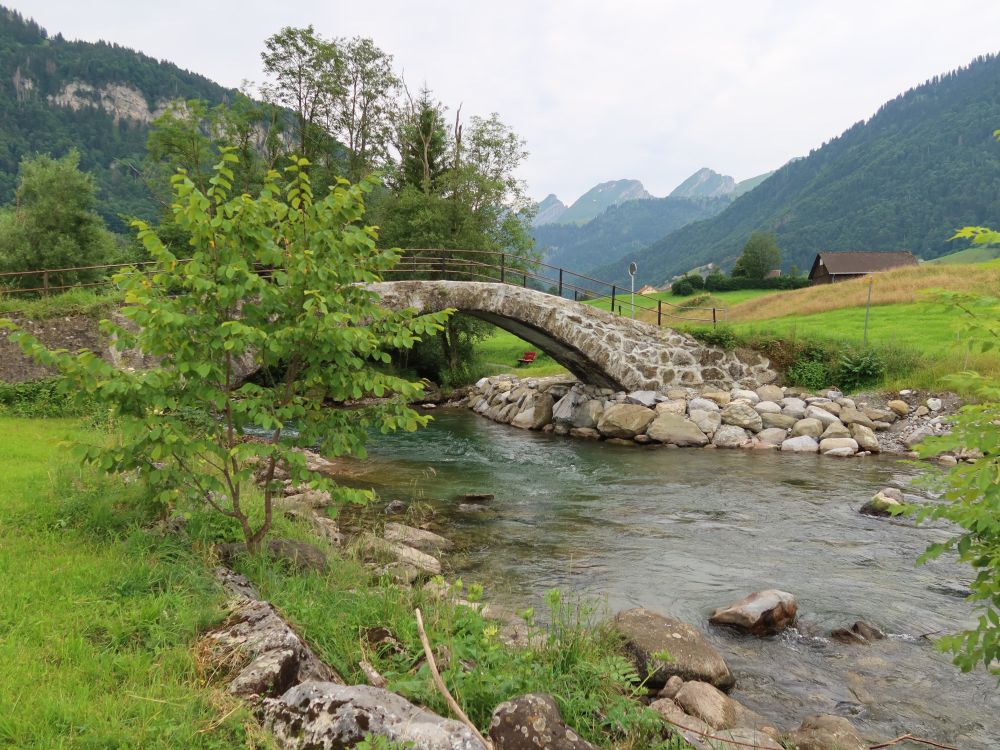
(632, 268)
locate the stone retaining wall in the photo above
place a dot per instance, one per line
(769, 417)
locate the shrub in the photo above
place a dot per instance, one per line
(859, 369)
(720, 283)
(695, 280)
(682, 288)
(809, 374)
(43, 398)
(721, 336)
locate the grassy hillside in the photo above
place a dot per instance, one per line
(923, 165)
(970, 255)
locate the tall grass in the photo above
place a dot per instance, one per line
(99, 612)
(903, 285)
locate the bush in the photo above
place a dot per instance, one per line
(682, 288)
(43, 398)
(720, 283)
(721, 336)
(695, 280)
(859, 369)
(809, 374)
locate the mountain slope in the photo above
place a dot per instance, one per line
(619, 231)
(705, 183)
(923, 165)
(96, 97)
(549, 210)
(601, 197)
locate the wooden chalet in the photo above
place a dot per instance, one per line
(831, 267)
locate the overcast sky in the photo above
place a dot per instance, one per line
(599, 90)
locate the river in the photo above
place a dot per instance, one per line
(684, 531)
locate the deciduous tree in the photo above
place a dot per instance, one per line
(760, 256)
(276, 282)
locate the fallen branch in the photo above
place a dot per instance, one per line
(439, 683)
(373, 677)
(911, 738)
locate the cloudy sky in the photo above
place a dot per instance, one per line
(599, 90)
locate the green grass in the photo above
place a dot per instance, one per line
(700, 298)
(73, 302)
(969, 255)
(98, 615)
(925, 329)
(499, 354)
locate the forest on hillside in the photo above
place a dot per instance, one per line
(923, 165)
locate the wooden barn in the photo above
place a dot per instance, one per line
(831, 267)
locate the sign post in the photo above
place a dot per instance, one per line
(632, 268)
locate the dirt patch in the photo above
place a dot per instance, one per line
(74, 333)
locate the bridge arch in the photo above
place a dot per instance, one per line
(598, 347)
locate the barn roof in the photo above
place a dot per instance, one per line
(864, 262)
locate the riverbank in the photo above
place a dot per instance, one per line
(770, 417)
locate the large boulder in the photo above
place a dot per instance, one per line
(821, 415)
(588, 413)
(425, 541)
(901, 408)
(838, 447)
(691, 657)
(707, 421)
(807, 426)
(742, 415)
(800, 444)
(702, 404)
(770, 393)
(674, 429)
(780, 421)
(855, 416)
(883, 503)
(825, 732)
(717, 709)
(772, 436)
(730, 436)
(761, 613)
(835, 430)
(625, 420)
(673, 406)
(643, 398)
(865, 438)
(533, 721)
(326, 716)
(537, 415)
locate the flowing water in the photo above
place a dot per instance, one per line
(684, 531)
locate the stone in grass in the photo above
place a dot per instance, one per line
(300, 555)
(662, 646)
(533, 721)
(761, 613)
(325, 716)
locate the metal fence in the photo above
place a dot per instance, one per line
(430, 264)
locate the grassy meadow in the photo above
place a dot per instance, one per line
(99, 614)
(906, 321)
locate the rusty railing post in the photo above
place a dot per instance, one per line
(560, 282)
(714, 318)
(659, 312)
(503, 268)
(612, 299)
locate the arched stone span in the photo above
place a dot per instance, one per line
(601, 349)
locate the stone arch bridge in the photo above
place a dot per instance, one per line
(602, 349)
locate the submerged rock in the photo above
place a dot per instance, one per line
(825, 732)
(662, 646)
(717, 709)
(883, 503)
(533, 721)
(761, 613)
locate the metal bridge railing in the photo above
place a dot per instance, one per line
(433, 264)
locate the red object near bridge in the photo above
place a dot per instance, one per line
(527, 359)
